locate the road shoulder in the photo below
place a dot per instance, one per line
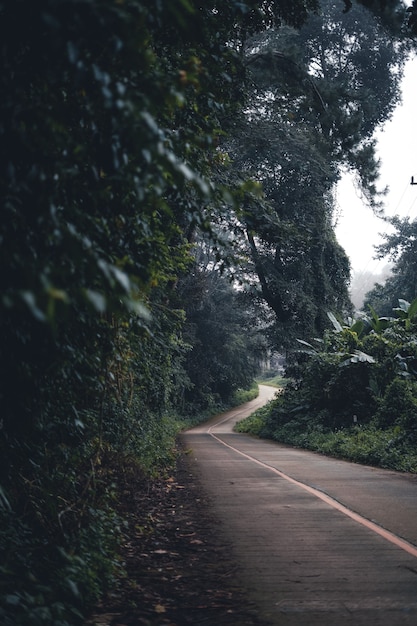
(179, 568)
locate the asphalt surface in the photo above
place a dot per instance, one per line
(316, 540)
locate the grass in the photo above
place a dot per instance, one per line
(367, 445)
(240, 396)
(255, 423)
(274, 380)
(245, 395)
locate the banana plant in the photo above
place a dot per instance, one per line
(406, 312)
(377, 324)
(358, 357)
(360, 326)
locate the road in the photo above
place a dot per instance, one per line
(316, 540)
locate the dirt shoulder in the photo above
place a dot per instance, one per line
(179, 570)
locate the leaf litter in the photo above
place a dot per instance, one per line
(179, 570)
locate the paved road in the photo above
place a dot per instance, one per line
(317, 540)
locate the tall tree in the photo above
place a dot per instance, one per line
(314, 104)
(226, 342)
(356, 66)
(109, 122)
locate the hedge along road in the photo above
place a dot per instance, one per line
(316, 540)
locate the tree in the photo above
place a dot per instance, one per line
(222, 330)
(394, 14)
(109, 124)
(312, 110)
(356, 66)
(401, 248)
(111, 119)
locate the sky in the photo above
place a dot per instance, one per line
(358, 230)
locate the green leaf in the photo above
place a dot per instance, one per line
(121, 277)
(362, 357)
(138, 308)
(358, 327)
(412, 310)
(404, 305)
(311, 349)
(337, 326)
(358, 357)
(73, 587)
(29, 299)
(96, 299)
(4, 502)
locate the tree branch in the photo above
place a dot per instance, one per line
(275, 54)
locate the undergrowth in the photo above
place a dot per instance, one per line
(245, 395)
(60, 523)
(367, 444)
(273, 380)
(60, 526)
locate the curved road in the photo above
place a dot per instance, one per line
(317, 540)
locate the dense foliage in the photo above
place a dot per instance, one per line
(108, 124)
(401, 248)
(318, 93)
(352, 393)
(110, 118)
(115, 121)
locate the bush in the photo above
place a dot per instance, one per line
(245, 395)
(399, 406)
(255, 423)
(45, 583)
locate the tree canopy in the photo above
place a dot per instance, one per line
(401, 248)
(131, 137)
(315, 97)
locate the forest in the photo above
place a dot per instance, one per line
(167, 179)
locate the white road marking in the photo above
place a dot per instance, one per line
(386, 534)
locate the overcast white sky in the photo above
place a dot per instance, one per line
(357, 229)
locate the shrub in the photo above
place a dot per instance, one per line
(399, 406)
(241, 396)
